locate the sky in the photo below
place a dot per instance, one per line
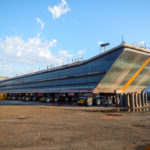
(35, 34)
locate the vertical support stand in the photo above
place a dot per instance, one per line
(114, 99)
(132, 103)
(127, 100)
(136, 100)
(139, 100)
(146, 99)
(121, 100)
(117, 99)
(142, 99)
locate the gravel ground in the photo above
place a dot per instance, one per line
(36, 125)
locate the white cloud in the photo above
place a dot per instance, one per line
(27, 51)
(20, 56)
(65, 54)
(142, 42)
(59, 9)
(100, 42)
(80, 52)
(39, 21)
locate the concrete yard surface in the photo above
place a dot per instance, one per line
(48, 127)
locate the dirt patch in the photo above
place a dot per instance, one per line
(110, 117)
(114, 114)
(143, 147)
(66, 128)
(22, 117)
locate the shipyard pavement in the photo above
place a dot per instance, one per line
(31, 126)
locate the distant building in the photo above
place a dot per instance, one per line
(2, 78)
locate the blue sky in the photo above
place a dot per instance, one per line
(38, 33)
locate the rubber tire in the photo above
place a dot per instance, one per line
(109, 101)
(34, 98)
(66, 99)
(47, 100)
(97, 102)
(89, 101)
(26, 99)
(55, 100)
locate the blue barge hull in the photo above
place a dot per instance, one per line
(105, 73)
